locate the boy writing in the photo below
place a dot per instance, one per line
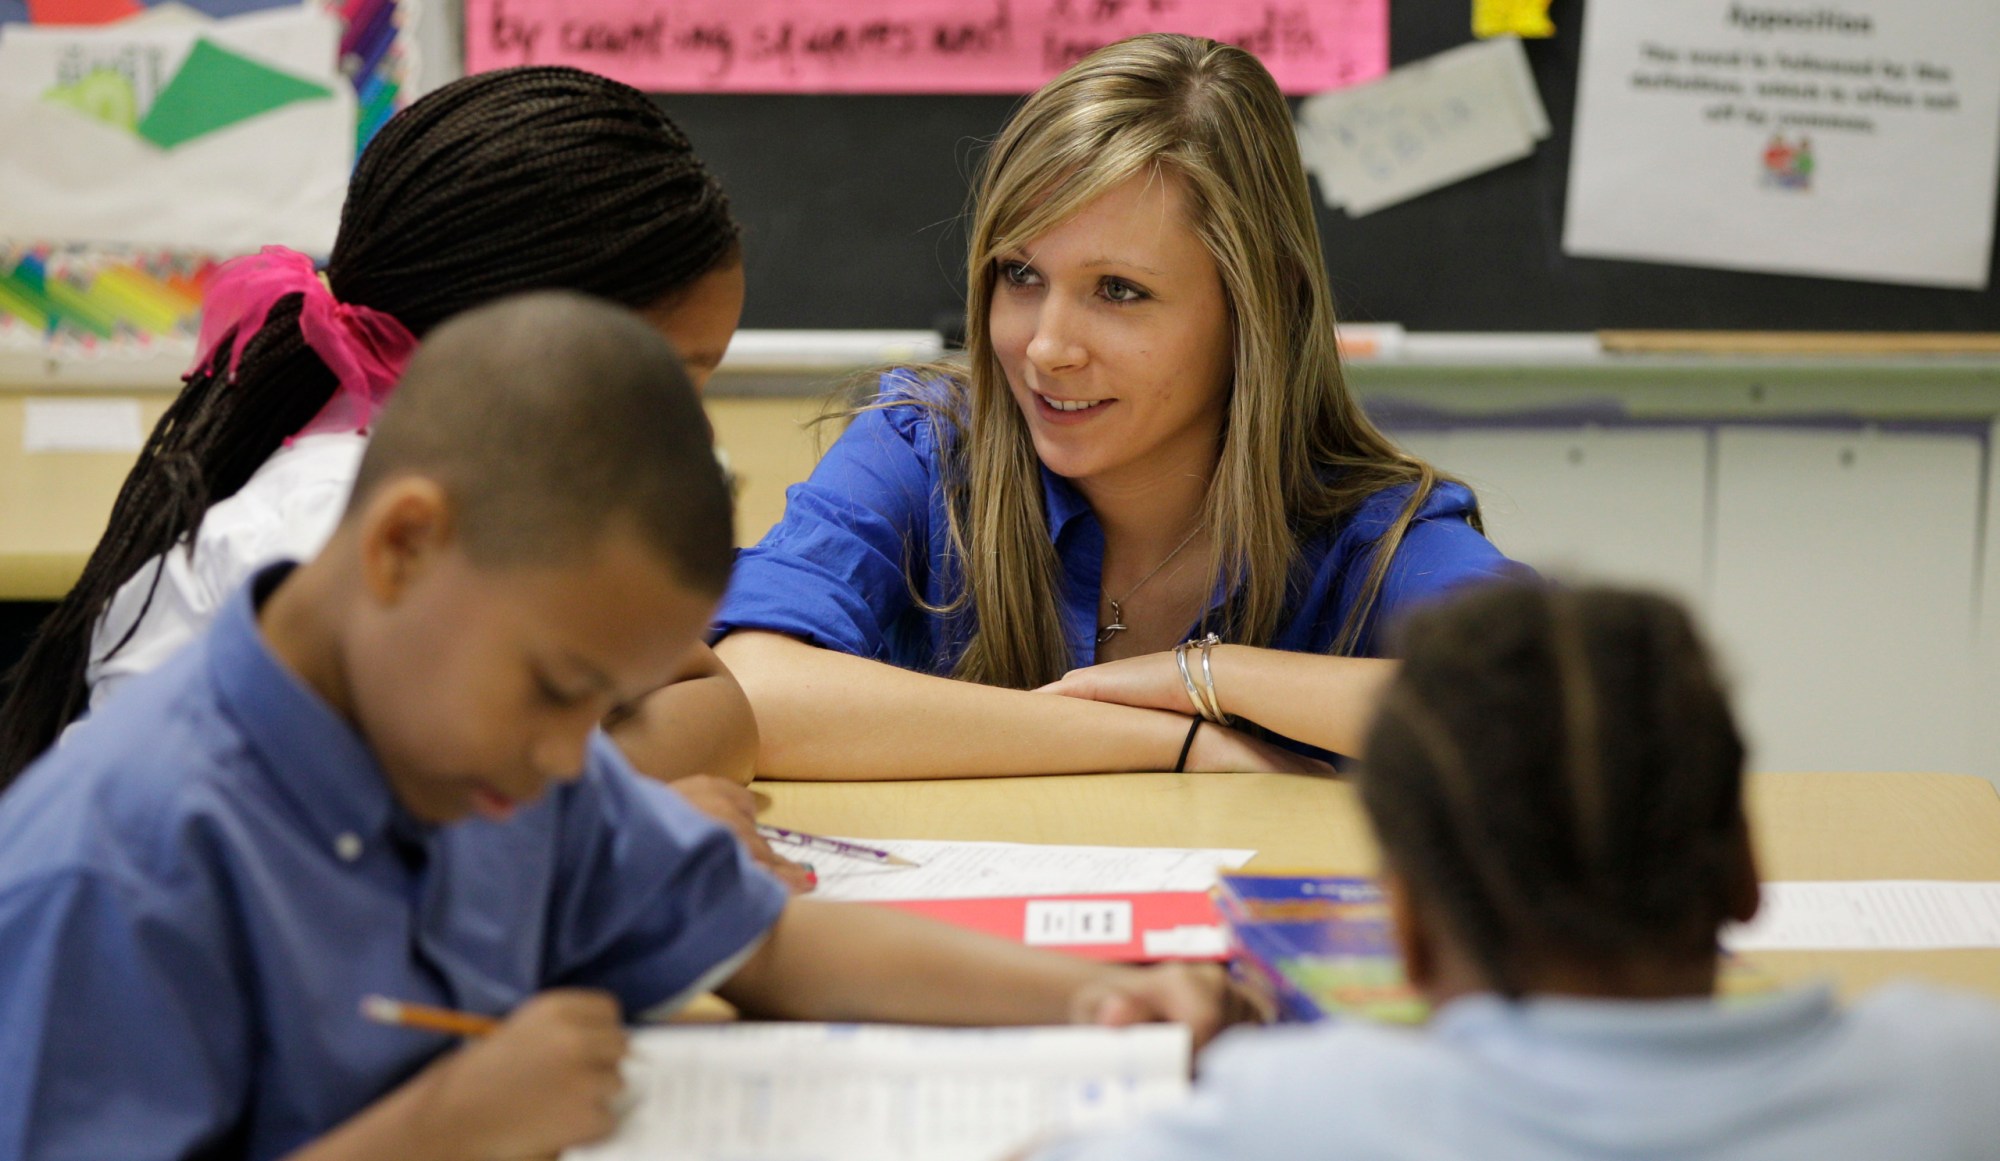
(199, 887)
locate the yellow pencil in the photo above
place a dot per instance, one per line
(384, 1010)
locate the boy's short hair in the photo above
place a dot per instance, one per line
(1557, 775)
(547, 418)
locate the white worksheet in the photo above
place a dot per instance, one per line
(974, 870)
(834, 1092)
(1883, 915)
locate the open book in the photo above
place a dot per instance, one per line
(845, 1092)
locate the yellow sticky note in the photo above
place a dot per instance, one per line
(1511, 18)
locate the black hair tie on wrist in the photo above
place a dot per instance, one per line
(1180, 763)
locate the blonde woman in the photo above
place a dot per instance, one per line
(1151, 441)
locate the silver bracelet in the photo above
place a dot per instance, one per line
(1206, 705)
(1208, 644)
(1187, 679)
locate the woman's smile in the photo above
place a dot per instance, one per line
(1052, 409)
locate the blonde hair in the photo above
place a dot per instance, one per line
(1297, 454)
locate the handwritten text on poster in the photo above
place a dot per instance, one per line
(907, 46)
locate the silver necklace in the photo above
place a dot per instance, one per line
(1118, 625)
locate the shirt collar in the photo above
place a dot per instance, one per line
(1062, 502)
(1695, 1024)
(314, 759)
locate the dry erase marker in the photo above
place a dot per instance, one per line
(384, 1010)
(813, 842)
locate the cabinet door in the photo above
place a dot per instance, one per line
(1843, 595)
(1618, 505)
(1986, 690)
(771, 444)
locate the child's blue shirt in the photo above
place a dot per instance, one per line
(200, 885)
(867, 533)
(1909, 1074)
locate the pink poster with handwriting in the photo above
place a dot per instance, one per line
(907, 46)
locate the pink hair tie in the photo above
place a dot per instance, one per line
(365, 349)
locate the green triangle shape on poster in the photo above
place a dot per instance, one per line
(216, 89)
(105, 94)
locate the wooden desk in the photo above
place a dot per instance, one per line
(1808, 826)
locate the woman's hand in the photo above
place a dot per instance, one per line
(1153, 681)
(1149, 681)
(1328, 702)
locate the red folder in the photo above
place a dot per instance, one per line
(1135, 928)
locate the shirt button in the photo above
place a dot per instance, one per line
(347, 846)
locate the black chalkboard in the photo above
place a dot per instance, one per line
(853, 208)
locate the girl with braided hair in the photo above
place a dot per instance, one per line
(1556, 784)
(516, 180)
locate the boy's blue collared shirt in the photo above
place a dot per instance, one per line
(199, 886)
(867, 534)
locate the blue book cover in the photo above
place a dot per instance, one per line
(1321, 944)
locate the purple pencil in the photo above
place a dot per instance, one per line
(799, 838)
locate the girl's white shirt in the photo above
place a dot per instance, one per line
(287, 510)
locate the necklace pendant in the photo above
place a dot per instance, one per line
(1117, 625)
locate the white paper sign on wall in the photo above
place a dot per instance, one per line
(1851, 139)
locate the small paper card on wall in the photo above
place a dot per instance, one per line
(907, 46)
(1423, 126)
(82, 425)
(222, 136)
(1853, 141)
(1511, 18)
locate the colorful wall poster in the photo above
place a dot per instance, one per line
(111, 11)
(907, 46)
(378, 41)
(1857, 139)
(220, 136)
(378, 55)
(76, 301)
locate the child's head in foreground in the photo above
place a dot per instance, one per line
(1556, 782)
(538, 534)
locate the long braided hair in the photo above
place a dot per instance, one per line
(522, 179)
(1558, 777)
